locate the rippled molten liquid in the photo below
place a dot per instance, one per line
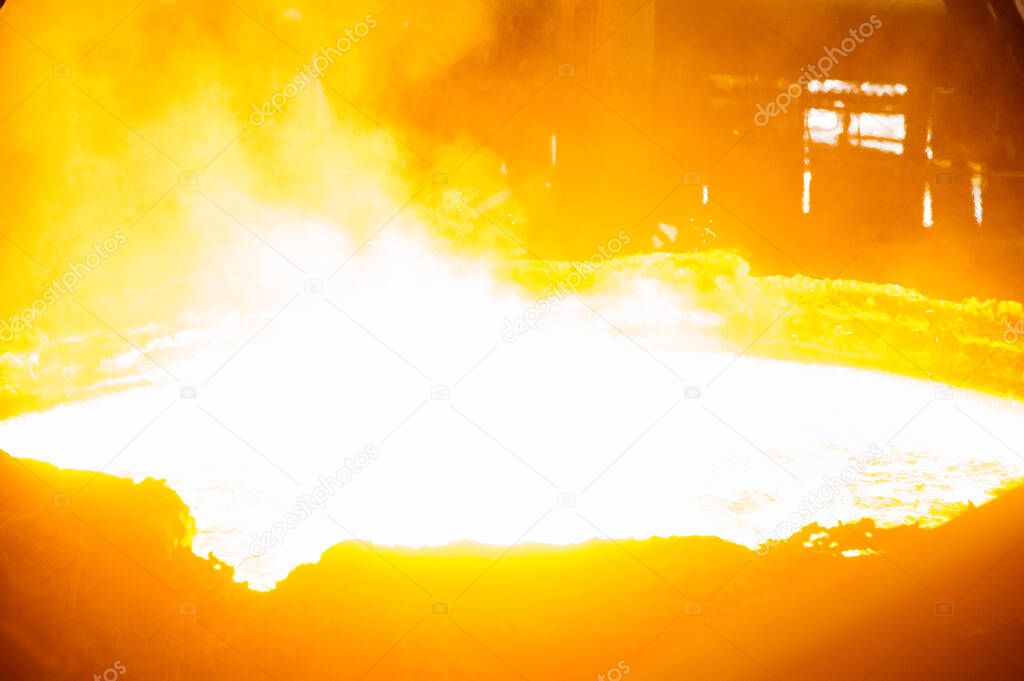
(391, 408)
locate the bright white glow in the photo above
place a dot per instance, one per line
(979, 212)
(833, 86)
(824, 126)
(481, 436)
(882, 145)
(883, 132)
(807, 193)
(822, 119)
(883, 126)
(704, 195)
(883, 89)
(927, 219)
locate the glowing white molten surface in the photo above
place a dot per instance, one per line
(572, 407)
